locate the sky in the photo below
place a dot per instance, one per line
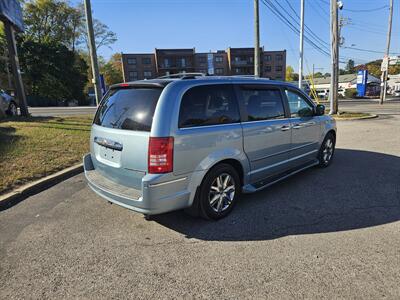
(143, 25)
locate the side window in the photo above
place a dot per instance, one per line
(299, 106)
(263, 104)
(208, 105)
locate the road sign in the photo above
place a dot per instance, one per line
(210, 63)
(362, 79)
(10, 10)
(385, 64)
(394, 60)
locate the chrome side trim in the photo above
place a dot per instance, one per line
(282, 162)
(285, 151)
(250, 189)
(209, 126)
(167, 182)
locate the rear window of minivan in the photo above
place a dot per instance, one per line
(128, 108)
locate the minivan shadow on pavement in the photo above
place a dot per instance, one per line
(359, 190)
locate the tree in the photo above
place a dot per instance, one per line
(112, 70)
(350, 69)
(50, 21)
(56, 21)
(318, 75)
(52, 72)
(103, 35)
(290, 75)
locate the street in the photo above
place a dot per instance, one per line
(369, 106)
(325, 233)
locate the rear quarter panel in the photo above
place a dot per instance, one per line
(196, 149)
(327, 124)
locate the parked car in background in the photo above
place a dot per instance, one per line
(166, 144)
(8, 104)
(396, 93)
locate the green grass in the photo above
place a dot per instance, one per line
(34, 147)
(345, 115)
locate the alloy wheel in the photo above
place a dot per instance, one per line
(222, 192)
(327, 152)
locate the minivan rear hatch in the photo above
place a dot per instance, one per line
(121, 130)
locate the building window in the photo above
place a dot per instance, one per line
(268, 57)
(166, 63)
(146, 61)
(278, 68)
(219, 59)
(251, 59)
(147, 74)
(202, 59)
(268, 69)
(279, 57)
(237, 70)
(131, 61)
(219, 71)
(182, 62)
(237, 58)
(133, 75)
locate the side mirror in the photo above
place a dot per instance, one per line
(320, 110)
(305, 112)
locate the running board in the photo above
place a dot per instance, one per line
(260, 185)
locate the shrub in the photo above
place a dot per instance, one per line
(351, 93)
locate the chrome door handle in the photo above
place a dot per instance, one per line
(285, 128)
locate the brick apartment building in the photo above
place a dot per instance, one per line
(233, 61)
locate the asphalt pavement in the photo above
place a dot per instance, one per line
(322, 234)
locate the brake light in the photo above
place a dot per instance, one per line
(161, 152)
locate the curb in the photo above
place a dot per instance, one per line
(23, 192)
(372, 116)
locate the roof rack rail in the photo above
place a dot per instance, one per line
(183, 76)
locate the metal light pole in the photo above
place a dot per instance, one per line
(257, 39)
(301, 44)
(385, 72)
(92, 50)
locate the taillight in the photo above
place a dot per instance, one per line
(161, 152)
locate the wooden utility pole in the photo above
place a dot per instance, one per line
(93, 53)
(386, 69)
(333, 91)
(301, 44)
(14, 62)
(257, 39)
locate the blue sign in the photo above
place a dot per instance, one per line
(362, 79)
(102, 84)
(210, 63)
(10, 10)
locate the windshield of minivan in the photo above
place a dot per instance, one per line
(128, 108)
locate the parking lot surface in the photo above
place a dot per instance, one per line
(325, 233)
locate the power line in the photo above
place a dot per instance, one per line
(287, 22)
(308, 29)
(367, 10)
(368, 50)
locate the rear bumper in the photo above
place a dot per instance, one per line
(156, 196)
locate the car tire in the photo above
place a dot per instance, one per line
(219, 192)
(12, 109)
(326, 151)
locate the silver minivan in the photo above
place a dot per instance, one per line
(198, 143)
